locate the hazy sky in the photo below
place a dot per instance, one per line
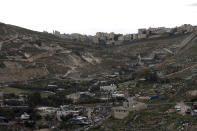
(91, 16)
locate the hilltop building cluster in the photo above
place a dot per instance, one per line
(117, 39)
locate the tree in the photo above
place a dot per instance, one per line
(148, 74)
(34, 99)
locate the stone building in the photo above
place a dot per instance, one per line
(94, 39)
(159, 30)
(112, 36)
(110, 88)
(57, 33)
(128, 37)
(130, 105)
(142, 36)
(74, 96)
(121, 38)
(135, 36)
(142, 31)
(117, 39)
(186, 28)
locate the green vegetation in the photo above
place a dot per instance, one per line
(11, 90)
(35, 99)
(148, 120)
(11, 114)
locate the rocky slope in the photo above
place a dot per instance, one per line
(183, 63)
(26, 55)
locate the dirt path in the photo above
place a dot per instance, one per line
(181, 70)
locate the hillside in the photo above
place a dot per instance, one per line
(183, 63)
(26, 55)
